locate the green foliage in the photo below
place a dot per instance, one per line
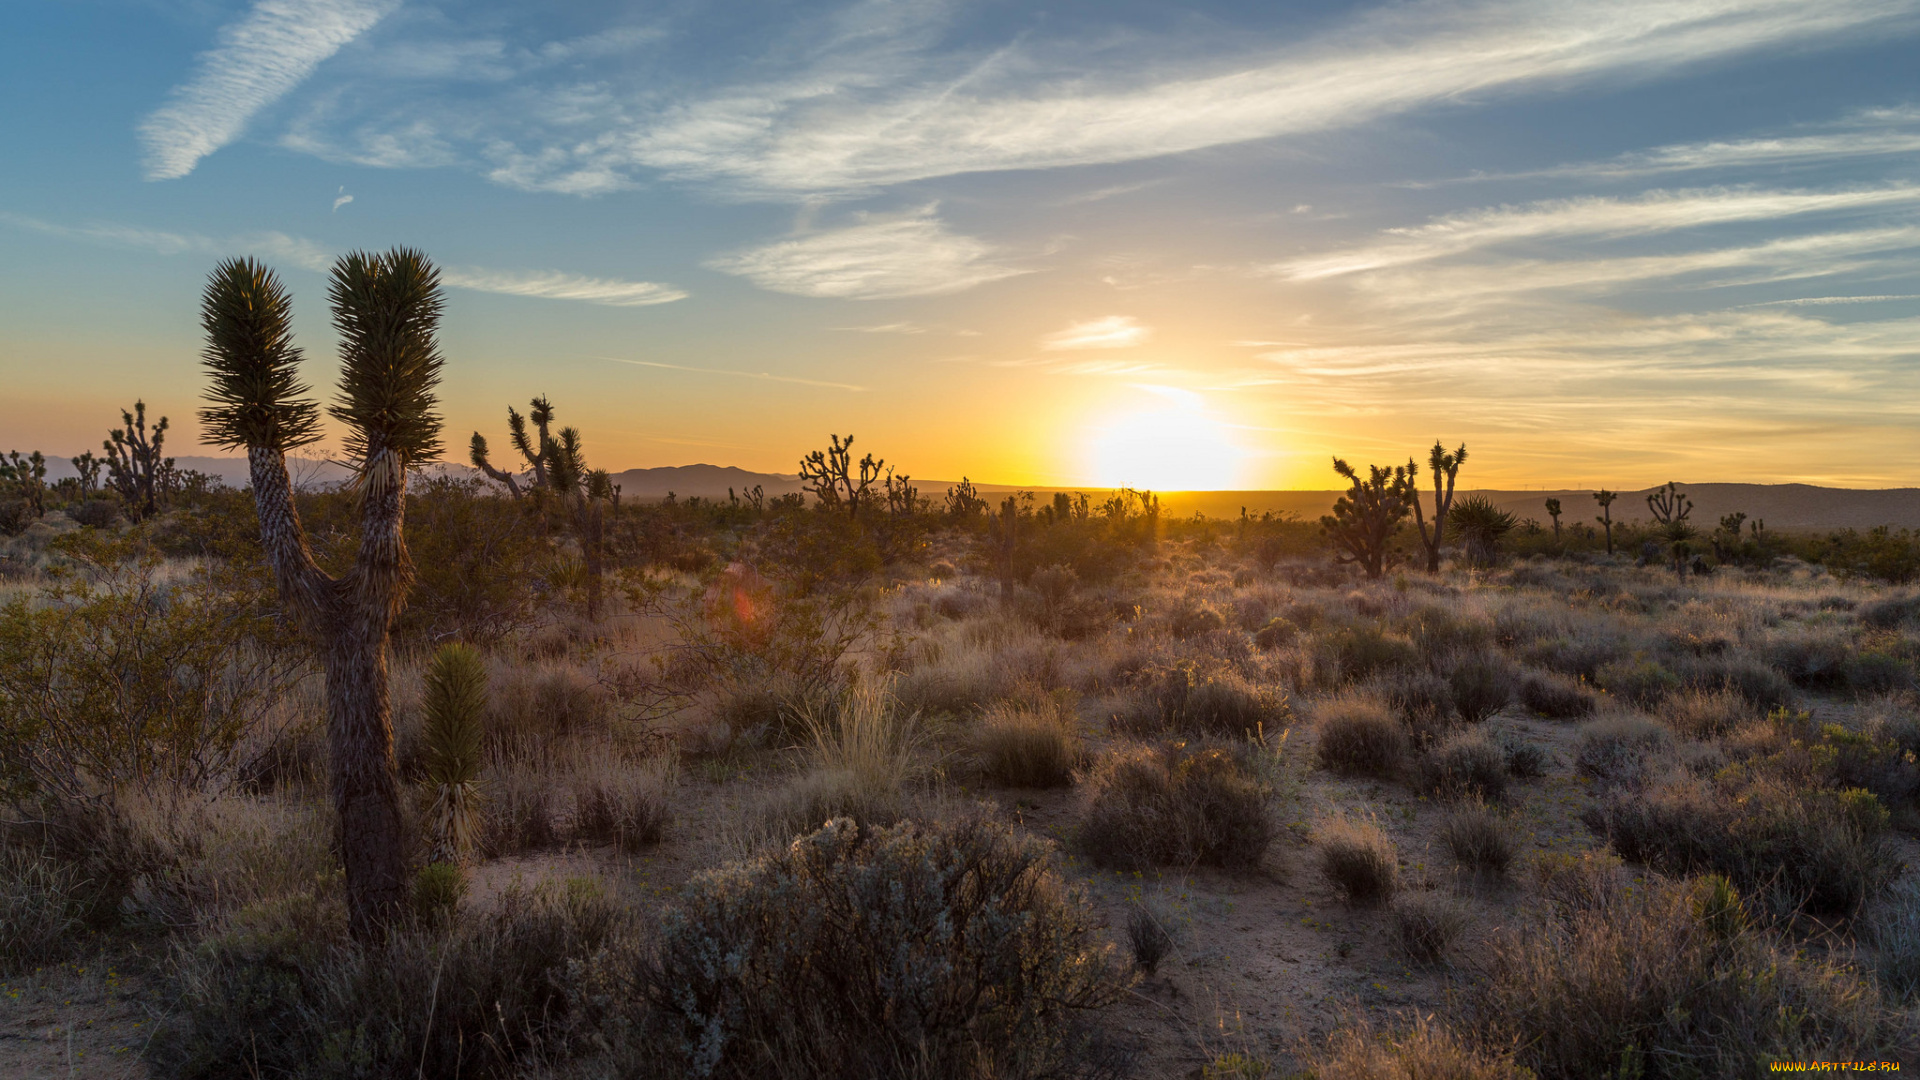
(438, 888)
(456, 702)
(252, 363)
(116, 674)
(1479, 527)
(1174, 804)
(935, 951)
(386, 309)
(1365, 519)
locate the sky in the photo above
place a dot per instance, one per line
(1203, 245)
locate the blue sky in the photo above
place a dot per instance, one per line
(1080, 243)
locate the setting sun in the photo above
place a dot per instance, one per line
(1177, 444)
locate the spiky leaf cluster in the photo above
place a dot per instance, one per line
(386, 309)
(257, 396)
(456, 702)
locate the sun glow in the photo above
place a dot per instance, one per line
(1178, 445)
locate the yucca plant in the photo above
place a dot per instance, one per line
(386, 309)
(1480, 526)
(456, 700)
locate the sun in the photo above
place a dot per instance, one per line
(1175, 445)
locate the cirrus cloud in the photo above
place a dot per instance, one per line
(881, 258)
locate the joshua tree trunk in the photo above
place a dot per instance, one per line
(351, 617)
(387, 310)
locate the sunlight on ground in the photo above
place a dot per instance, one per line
(1176, 444)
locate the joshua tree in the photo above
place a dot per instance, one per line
(386, 309)
(964, 502)
(89, 468)
(1364, 519)
(29, 474)
(1007, 533)
(1445, 467)
(537, 449)
(1669, 505)
(456, 698)
(829, 473)
(1480, 525)
(135, 468)
(902, 497)
(1553, 511)
(1605, 517)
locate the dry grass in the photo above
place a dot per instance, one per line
(1358, 735)
(1359, 858)
(1425, 925)
(1479, 838)
(1173, 805)
(1029, 745)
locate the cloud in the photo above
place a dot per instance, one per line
(880, 258)
(1653, 212)
(258, 59)
(553, 285)
(341, 200)
(850, 387)
(833, 131)
(1821, 301)
(308, 255)
(1112, 332)
(886, 328)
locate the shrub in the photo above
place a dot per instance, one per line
(1815, 658)
(520, 814)
(1581, 655)
(1192, 617)
(1555, 696)
(1359, 859)
(1821, 852)
(1364, 651)
(1479, 839)
(533, 713)
(1277, 633)
(1642, 682)
(1469, 765)
(1481, 686)
(1148, 937)
(1027, 746)
(924, 950)
(41, 908)
(627, 810)
(1700, 714)
(799, 807)
(1627, 978)
(1429, 1050)
(1424, 925)
(1216, 701)
(1617, 749)
(1358, 736)
(1173, 805)
(1893, 933)
(438, 888)
(282, 992)
(1525, 760)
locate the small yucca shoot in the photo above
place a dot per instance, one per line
(456, 698)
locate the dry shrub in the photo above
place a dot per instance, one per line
(956, 684)
(1212, 699)
(1622, 749)
(774, 818)
(1556, 696)
(1479, 838)
(1430, 1051)
(533, 711)
(1358, 736)
(281, 991)
(1481, 685)
(520, 812)
(1193, 617)
(1359, 858)
(1426, 924)
(1360, 652)
(1028, 745)
(626, 809)
(1421, 697)
(1641, 977)
(1149, 937)
(1893, 933)
(1173, 805)
(1799, 850)
(42, 902)
(925, 950)
(1467, 766)
(1705, 714)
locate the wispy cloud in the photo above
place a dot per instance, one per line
(766, 376)
(1884, 132)
(882, 257)
(554, 285)
(309, 255)
(268, 52)
(1653, 212)
(1822, 301)
(341, 200)
(1111, 332)
(883, 99)
(886, 328)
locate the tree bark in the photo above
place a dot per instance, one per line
(349, 618)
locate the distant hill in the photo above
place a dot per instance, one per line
(1781, 506)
